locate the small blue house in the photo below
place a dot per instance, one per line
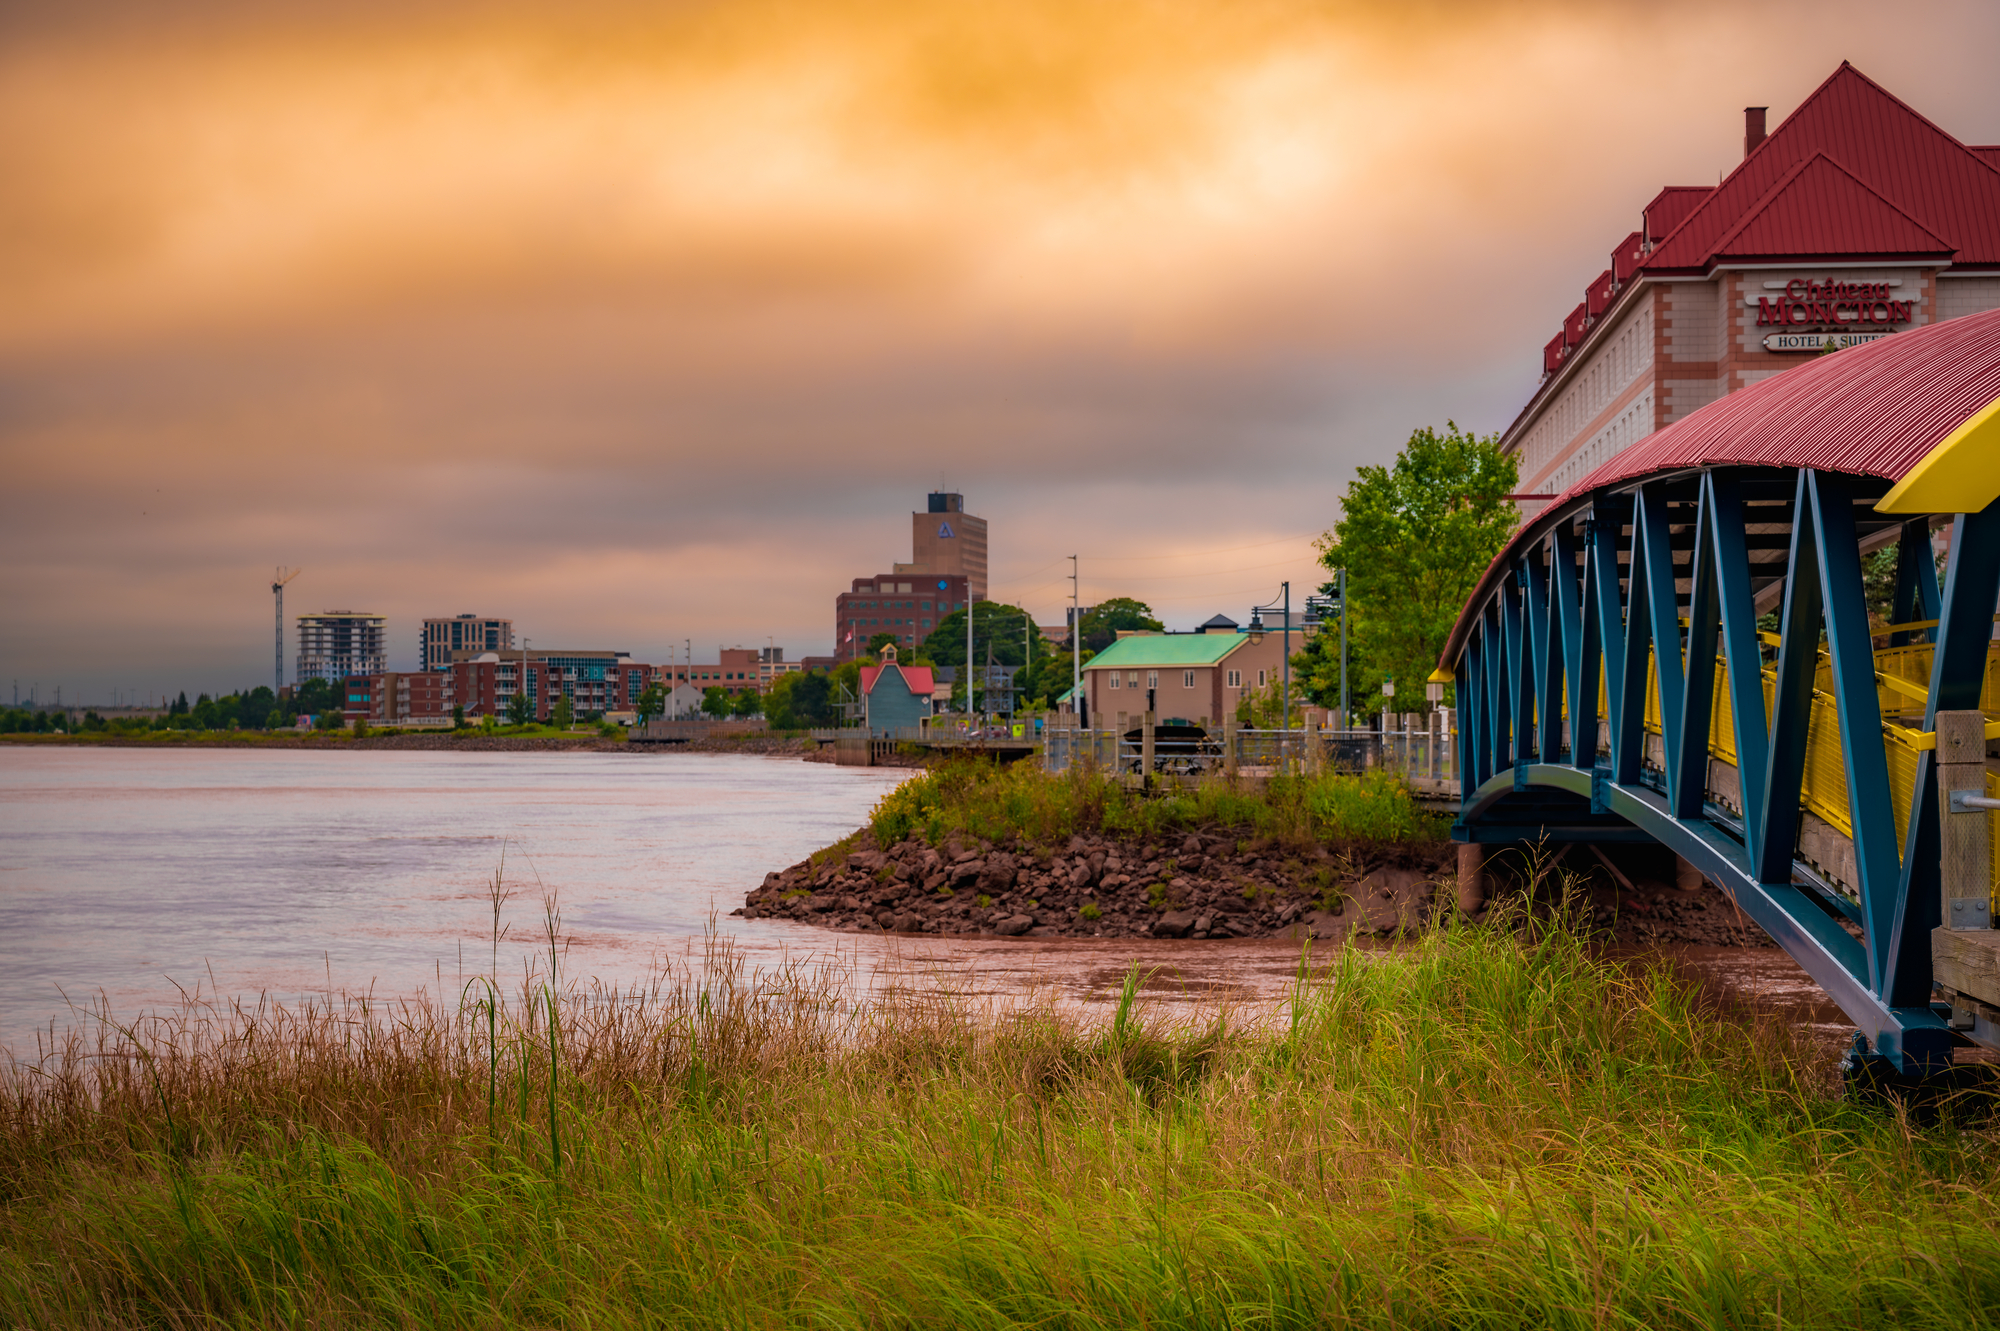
(895, 697)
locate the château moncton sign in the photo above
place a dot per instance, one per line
(1832, 302)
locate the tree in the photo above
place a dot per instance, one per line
(995, 622)
(810, 700)
(1414, 537)
(652, 701)
(1047, 679)
(519, 710)
(748, 702)
(881, 640)
(563, 714)
(715, 701)
(1102, 622)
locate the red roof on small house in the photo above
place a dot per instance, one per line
(917, 679)
(1947, 189)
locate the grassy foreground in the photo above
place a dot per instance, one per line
(1482, 1131)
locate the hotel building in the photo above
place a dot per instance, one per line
(1852, 220)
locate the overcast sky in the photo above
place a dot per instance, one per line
(654, 322)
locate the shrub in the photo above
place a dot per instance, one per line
(968, 799)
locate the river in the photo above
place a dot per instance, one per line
(140, 876)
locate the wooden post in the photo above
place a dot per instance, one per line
(1146, 749)
(1471, 877)
(1963, 837)
(1229, 745)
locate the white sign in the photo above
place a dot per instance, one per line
(1818, 341)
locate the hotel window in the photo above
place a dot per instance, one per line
(1236, 679)
(1114, 679)
(1187, 679)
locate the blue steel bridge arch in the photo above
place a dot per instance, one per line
(1649, 579)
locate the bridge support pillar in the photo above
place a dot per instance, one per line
(1686, 877)
(1471, 877)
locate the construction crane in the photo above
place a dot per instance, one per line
(278, 590)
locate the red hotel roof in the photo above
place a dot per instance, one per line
(1819, 207)
(1872, 410)
(1948, 189)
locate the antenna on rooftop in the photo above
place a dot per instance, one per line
(278, 590)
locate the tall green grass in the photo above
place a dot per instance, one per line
(992, 802)
(1494, 1128)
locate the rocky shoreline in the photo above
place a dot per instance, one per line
(1207, 884)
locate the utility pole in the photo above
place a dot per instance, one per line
(968, 652)
(1346, 719)
(1288, 655)
(1075, 643)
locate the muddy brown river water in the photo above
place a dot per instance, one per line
(141, 876)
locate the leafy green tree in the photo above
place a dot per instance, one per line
(715, 701)
(563, 715)
(1047, 679)
(810, 700)
(652, 701)
(520, 710)
(1103, 621)
(458, 716)
(881, 640)
(1414, 537)
(748, 702)
(1004, 626)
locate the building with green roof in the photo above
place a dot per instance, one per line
(1194, 678)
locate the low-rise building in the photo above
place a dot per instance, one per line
(907, 606)
(1192, 678)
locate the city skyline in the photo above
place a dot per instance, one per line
(636, 328)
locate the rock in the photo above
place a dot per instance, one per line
(850, 903)
(998, 874)
(1079, 877)
(1191, 846)
(936, 881)
(1174, 924)
(773, 880)
(964, 872)
(1325, 924)
(820, 905)
(1014, 926)
(1204, 924)
(1288, 912)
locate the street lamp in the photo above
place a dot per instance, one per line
(1282, 601)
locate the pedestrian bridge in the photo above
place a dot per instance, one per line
(1681, 649)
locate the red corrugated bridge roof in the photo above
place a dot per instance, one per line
(1872, 410)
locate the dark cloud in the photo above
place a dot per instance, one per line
(642, 324)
